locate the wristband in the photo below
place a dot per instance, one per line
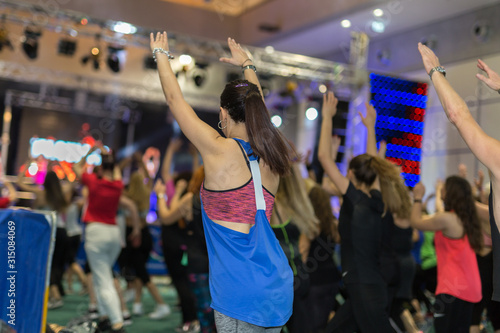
(417, 200)
(437, 69)
(160, 196)
(159, 49)
(243, 64)
(249, 67)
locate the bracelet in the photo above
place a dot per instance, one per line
(437, 69)
(417, 200)
(249, 67)
(160, 196)
(245, 62)
(159, 49)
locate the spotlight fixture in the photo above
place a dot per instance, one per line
(4, 36)
(66, 47)
(94, 56)
(149, 62)
(200, 74)
(4, 39)
(113, 58)
(378, 12)
(30, 42)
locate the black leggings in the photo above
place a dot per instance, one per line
(452, 314)
(58, 259)
(171, 244)
(137, 257)
(485, 265)
(364, 310)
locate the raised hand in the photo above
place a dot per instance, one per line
(329, 109)
(160, 41)
(239, 57)
(335, 145)
(418, 191)
(492, 80)
(429, 58)
(371, 116)
(159, 187)
(175, 144)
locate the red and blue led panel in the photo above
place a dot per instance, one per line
(400, 106)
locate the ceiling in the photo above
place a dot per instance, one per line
(322, 39)
(225, 7)
(307, 27)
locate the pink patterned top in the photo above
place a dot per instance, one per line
(235, 205)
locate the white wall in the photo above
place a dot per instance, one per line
(443, 148)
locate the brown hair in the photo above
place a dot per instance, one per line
(395, 195)
(320, 201)
(292, 197)
(244, 103)
(54, 193)
(138, 191)
(194, 185)
(459, 199)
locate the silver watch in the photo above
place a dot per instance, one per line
(437, 69)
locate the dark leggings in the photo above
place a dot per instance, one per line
(173, 256)
(58, 259)
(452, 314)
(199, 285)
(364, 310)
(485, 265)
(138, 256)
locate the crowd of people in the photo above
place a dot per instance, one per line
(250, 240)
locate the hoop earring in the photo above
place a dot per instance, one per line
(219, 125)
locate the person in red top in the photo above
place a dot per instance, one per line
(102, 235)
(458, 238)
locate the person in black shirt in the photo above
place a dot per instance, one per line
(360, 228)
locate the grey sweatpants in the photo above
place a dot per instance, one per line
(227, 324)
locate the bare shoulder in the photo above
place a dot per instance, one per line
(270, 180)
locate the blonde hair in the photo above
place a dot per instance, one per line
(394, 192)
(293, 200)
(138, 191)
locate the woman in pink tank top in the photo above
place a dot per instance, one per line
(458, 238)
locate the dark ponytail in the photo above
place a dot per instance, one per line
(244, 103)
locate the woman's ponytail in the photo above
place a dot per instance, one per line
(266, 140)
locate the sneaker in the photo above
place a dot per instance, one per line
(137, 309)
(189, 327)
(92, 312)
(54, 304)
(127, 318)
(161, 311)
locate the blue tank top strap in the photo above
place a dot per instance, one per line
(248, 149)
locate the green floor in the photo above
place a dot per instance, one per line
(76, 305)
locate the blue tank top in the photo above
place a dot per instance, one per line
(249, 277)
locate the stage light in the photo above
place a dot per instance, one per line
(113, 58)
(66, 46)
(149, 62)
(322, 88)
(345, 24)
(276, 120)
(378, 27)
(124, 28)
(4, 39)
(84, 21)
(33, 169)
(378, 12)
(94, 56)
(311, 113)
(185, 59)
(200, 74)
(269, 49)
(30, 42)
